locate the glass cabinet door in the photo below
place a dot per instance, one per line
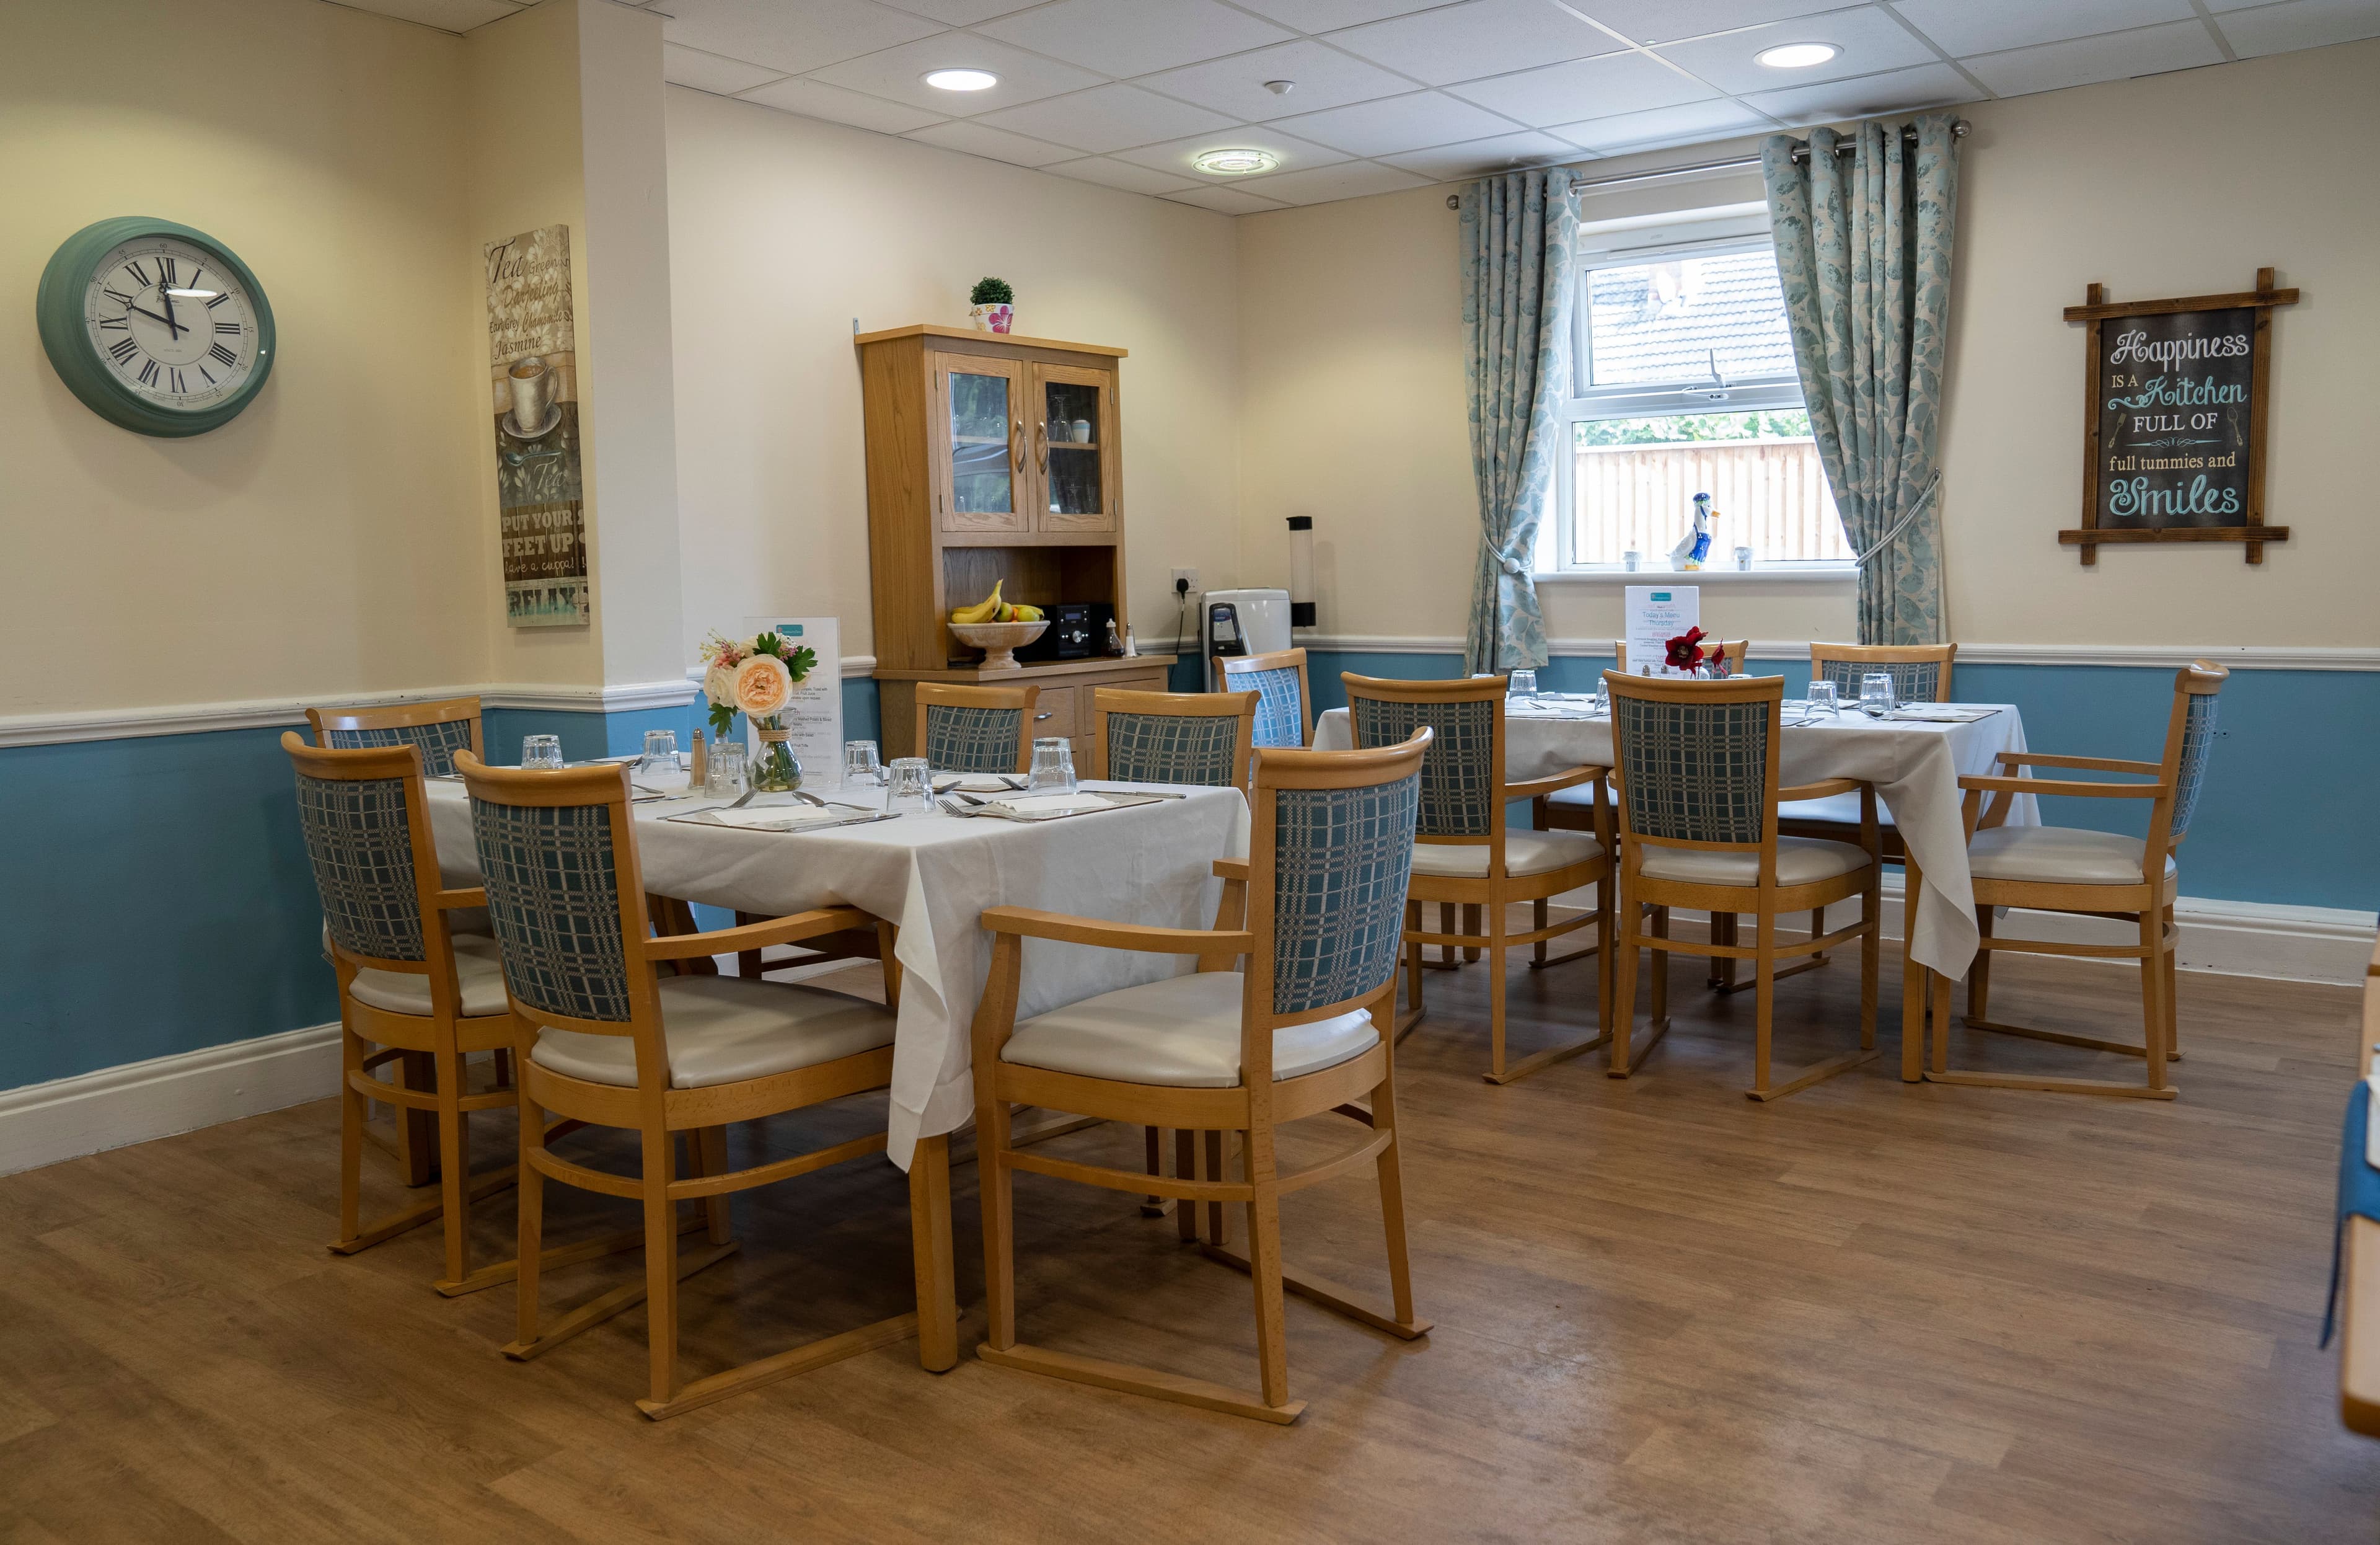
(1076, 431)
(982, 457)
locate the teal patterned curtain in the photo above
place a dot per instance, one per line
(1863, 252)
(1519, 234)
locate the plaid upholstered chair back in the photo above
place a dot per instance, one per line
(1340, 860)
(1279, 682)
(1460, 777)
(359, 834)
(551, 873)
(1913, 681)
(1693, 770)
(439, 729)
(2193, 723)
(973, 739)
(1147, 745)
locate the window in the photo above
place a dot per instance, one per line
(1684, 385)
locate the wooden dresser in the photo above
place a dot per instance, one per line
(992, 459)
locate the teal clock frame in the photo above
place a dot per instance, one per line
(58, 310)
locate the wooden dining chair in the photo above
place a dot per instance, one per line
(605, 1039)
(440, 728)
(1572, 809)
(975, 729)
(1298, 1032)
(1285, 705)
(1695, 765)
(1734, 648)
(1464, 856)
(2067, 868)
(1920, 673)
(1172, 738)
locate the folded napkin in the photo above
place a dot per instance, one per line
(1038, 806)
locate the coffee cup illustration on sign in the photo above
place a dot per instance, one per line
(534, 412)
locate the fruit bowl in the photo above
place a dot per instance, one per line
(999, 641)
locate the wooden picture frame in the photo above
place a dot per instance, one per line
(2251, 532)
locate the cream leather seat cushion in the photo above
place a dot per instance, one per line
(2058, 855)
(1834, 806)
(1524, 853)
(1182, 1032)
(1800, 861)
(479, 971)
(725, 1029)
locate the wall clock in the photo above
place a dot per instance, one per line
(156, 326)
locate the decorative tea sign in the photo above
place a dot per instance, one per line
(2173, 438)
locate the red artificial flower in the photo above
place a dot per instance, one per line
(1686, 649)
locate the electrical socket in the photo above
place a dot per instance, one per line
(1185, 577)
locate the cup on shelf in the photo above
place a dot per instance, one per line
(541, 750)
(909, 786)
(1876, 692)
(1744, 558)
(1082, 435)
(1821, 698)
(724, 778)
(1053, 767)
(1632, 560)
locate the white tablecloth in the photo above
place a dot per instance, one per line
(1915, 768)
(933, 875)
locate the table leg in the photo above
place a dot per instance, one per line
(930, 1250)
(1912, 978)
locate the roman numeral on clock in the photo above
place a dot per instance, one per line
(218, 300)
(140, 274)
(117, 296)
(232, 328)
(122, 350)
(176, 382)
(115, 324)
(148, 373)
(222, 355)
(164, 270)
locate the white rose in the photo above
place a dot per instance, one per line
(762, 685)
(718, 685)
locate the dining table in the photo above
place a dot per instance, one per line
(1914, 758)
(932, 874)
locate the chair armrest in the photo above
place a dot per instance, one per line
(477, 895)
(752, 936)
(1568, 777)
(1231, 868)
(1824, 788)
(1068, 930)
(2091, 764)
(2064, 789)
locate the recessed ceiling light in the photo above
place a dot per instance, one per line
(1797, 56)
(1234, 163)
(961, 79)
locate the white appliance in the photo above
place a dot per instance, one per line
(1243, 622)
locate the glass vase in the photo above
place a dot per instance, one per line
(774, 768)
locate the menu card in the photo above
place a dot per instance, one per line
(1655, 614)
(814, 715)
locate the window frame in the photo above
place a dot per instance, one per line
(1587, 402)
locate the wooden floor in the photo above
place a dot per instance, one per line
(1869, 1312)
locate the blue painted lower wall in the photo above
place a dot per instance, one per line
(156, 897)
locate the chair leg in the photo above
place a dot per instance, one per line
(416, 1130)
(1392, 1194)
(1471, 926)
(1219, 1216)
(528, 1244)
(1873, 902)
(1448, 955)
(661, 1265)
(1661, 969)
(2152, 993)
(1413, 967)
(1495, 988)
(711, 1150)
(1818, 930)
(998, 1188)
(1764, 998)
(1264, 1262)
(1622, 1014)
(351, 1137)
(1154, 1207)
(1979, 975)
(454, 1167)
(2172, 1003)
(1538, 918)
(1186, 1164)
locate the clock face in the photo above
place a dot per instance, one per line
(175, 325)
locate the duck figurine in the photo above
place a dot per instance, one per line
(1695, 545)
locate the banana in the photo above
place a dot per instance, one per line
(1029, 614)
(986, 610)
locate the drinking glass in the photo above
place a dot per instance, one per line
(541, 750)
(1876, 692)
(725, 777)
(1523, 684)
(910, 787)
(1053, 767)
(1821, 698)
(660, 753)
(860, 764)
(1602, 696)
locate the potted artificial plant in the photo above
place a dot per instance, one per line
(993, 308)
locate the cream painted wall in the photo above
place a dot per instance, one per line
(785, 229)
(1352, 360)
(326, 542)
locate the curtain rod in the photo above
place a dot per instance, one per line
(1801, 154)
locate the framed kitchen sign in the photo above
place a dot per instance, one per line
(2173, 418)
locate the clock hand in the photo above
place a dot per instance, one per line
(167, 297)
(178, 329)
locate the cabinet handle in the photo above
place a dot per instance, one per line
(1041, 445)
(1017, 445)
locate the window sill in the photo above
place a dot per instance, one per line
(1845, 575)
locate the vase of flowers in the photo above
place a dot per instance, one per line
(994, 305)
(756, 678)
(1684, 653)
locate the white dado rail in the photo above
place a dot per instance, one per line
(2239, 657)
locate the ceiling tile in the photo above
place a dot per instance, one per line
(1585, 89)
(709, 72)
(790, 38)
(997, 144)
(1325, 78)
(1226, 200)
(447, 15)
(1355, 179)
(1894, 90)
(1135, 37)
(1413, 122)
(1293, 153)
(1105, 118)
(1690, 124)
(958, 13)
(1665, 20)
(815, 99)
(1480, 157)
(1120, 174)
(1322, 16)
(2084, 61)
(898, 73)
(1485, 37)
(2301, 24)
(1963, 27)
(1870, 42)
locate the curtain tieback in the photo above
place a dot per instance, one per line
(1924, 496)
(1510, 564)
